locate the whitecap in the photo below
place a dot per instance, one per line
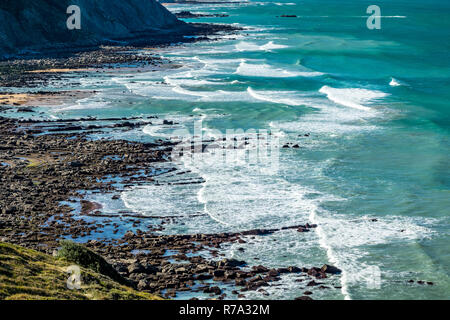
(352, 97)
(265, 70)
(280, 97)
(250, 46)
(395, 83)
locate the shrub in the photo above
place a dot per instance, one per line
(82, 256)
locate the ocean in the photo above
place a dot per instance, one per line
(368, 110)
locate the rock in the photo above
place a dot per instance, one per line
(294, 270)
(201, 268)
(25, 109)
(312, 283)
(241, 282)
(259, 269)
(256, 232)
(230, 275)
(219, 273)
(313, 271)
(231, 263)
(204, 276)
(330, 269)
(216, 290)
(136, 268)
(142, 285)
(273, 273)
(76, 164)
(180, 270)
(264, 292)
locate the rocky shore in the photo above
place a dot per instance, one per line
(49, 167)
(42, 172)
(37, 69)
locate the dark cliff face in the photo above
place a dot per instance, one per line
(41, 24)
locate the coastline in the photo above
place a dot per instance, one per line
(54, 162)
(50, 182)
(97, 142)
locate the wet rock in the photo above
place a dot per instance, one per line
(231, 263)
(260, 269)
(273, 273)
(215, 290)
(330, 269)
(204, 276)
(312, 283)
(219, 273)
(241, 282)
(25, 109)
(76, 164)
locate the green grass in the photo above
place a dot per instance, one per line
(30, 275)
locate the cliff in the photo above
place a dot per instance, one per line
(41, 25)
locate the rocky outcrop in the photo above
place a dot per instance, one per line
(41, 25)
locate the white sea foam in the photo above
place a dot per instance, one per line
(395, 83)
(82, 104)
(250, 46)
(346, 240)
(177, 81)
(241, 196)
(265, 70)
(352, 97)
(290, 98)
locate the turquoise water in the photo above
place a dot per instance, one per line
(374, 103)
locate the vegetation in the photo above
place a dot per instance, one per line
(30, 275)
(83, 257)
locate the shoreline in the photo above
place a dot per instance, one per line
(54, 162)
(47, 182)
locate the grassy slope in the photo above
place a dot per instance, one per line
(29, 275)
